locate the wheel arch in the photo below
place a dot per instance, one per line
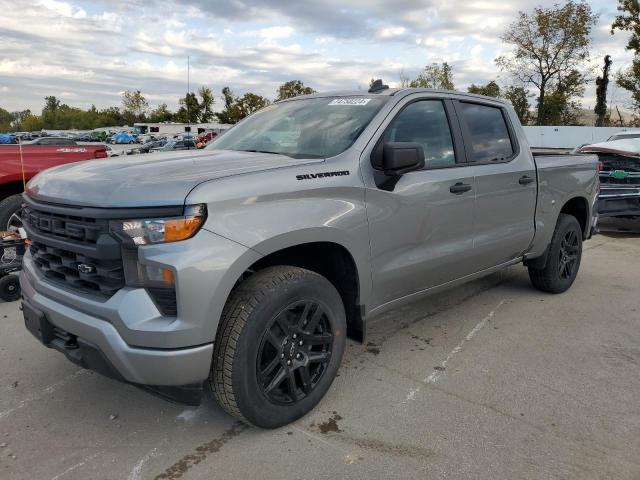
(578, 207)
(332, 260)
(11, 188)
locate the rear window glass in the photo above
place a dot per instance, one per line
(490, 138)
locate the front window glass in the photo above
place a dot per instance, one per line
(308, 128)
(425, 122)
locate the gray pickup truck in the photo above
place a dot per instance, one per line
(241, 268)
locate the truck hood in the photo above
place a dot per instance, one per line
(148, 180)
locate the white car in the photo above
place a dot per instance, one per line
(624, 135)
(111, 152)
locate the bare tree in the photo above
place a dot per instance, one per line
(404, 80)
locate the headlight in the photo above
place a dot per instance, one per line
(161, 230)
(158, 280)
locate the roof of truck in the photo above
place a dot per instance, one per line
(391, 92)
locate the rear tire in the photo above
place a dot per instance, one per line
(278, 346)
(563, 262)
(9, 208)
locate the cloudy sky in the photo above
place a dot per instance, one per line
(88, 52)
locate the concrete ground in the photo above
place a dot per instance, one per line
(493, 380)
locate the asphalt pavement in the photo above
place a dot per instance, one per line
(492, 380)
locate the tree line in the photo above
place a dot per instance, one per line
(547, 67)
(194, 107)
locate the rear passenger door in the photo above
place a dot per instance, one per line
(505, 181)
(421, 224)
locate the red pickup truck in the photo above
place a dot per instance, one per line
(35, 158)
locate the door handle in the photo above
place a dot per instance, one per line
(459, 188)
(525, 180)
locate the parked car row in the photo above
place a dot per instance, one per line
(15, 137)
(178, 142)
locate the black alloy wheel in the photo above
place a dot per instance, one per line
(294, 352)
(562, 262)
(569, 250)
(278, 346)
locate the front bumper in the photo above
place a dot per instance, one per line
(138, 344)
(619, 201)
(101, 348)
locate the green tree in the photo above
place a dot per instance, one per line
(293, 88)
(189, 111)
(134, 106)
(250, 102)
(25, 121)
(207, 99)
(602, 84)
(561, 106)
(436, 75)
(519, 99)
(6, 119)
(629, 79)
(50, 112)
(628, 20)
(110, 117)
(236, 108)
(227, 115)
(548, 43)
(491, 89)
(161, 114)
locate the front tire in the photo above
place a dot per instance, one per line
(563, 262)
(278, 346)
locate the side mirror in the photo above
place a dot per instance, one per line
(399, 158)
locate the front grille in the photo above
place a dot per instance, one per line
(74, 248)
(74, 251)
(104, 277)
(626, 164)
(632, 179)
(625, 170)
(77, 229)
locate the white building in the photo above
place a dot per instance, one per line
(171, 128)
(568, 137)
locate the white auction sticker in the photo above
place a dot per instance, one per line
(350, 101)
(71, 150)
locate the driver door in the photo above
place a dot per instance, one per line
(421, 227)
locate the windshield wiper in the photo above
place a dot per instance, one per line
(266, 151)
(296, 156)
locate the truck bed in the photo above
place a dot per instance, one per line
(560, 177)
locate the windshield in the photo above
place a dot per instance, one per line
(308, 128)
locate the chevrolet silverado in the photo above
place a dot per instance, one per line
(243, 267)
